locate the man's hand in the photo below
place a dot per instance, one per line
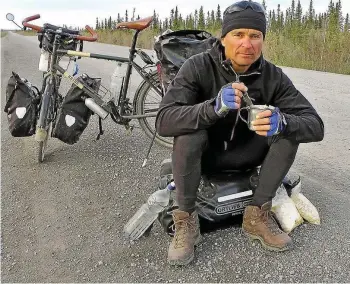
(269, 122)
(229, 98)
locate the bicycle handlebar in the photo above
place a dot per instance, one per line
(32, 18)
(93, 34)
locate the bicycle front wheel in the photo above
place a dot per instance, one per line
(147, 101)
(46, 114)
(43, 145)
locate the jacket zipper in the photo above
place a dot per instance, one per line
(237, 116)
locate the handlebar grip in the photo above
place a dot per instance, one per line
(93, 36)
(32, 18)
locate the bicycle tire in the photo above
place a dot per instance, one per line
(43, 145)
(41, 152)
(139, 101)
(44, 128)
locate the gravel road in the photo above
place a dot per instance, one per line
(62, 221)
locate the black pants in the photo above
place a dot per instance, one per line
(193, 155)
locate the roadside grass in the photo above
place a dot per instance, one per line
(27, 33)
(310, 50)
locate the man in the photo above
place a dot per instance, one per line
(200, 110)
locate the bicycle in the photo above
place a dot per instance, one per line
(52, 38)
(121, 109)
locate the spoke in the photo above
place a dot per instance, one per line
(151, 106)
(152, 102)
(155, 94)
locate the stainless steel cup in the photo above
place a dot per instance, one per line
(254, 110)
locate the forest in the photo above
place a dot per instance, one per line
(295, 38)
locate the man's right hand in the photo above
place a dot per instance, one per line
(229, 98)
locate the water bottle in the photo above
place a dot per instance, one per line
(148, 212)
(117, 78)
(44, 61)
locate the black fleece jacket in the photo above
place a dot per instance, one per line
(188, 104)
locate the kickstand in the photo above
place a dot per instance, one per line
(100, 128)
(149, 149)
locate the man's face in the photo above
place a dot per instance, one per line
(243, 46)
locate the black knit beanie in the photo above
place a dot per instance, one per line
(246, 19)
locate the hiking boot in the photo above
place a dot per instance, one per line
(259, 223)
(187, 235)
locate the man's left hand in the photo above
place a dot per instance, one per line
(269, 122)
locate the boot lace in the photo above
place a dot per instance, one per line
(271, 223)
(183, 227)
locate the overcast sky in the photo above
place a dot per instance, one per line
(82, 12)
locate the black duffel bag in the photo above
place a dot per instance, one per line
(174, 48)
(22, 100)
(221, 197)
(73, 115)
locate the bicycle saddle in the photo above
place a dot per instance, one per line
(136, 25)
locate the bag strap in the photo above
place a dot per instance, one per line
(7, 105)
(37, 90)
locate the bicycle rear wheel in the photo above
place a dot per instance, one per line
(147, 101)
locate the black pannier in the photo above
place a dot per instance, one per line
(73, 115)
(22, 100)
(174, 48)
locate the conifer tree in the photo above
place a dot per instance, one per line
(298, 14)
(311, 14)
(155, 23)
(110, 22)
(212, 19)
(176, 22)
(218, 17)
(171, 21)
(347, 23)
(133, 14)
(201, 21)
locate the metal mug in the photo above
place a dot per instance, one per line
(253, 111)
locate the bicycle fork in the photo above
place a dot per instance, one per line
(43, 121)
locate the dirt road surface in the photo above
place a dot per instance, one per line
(62, 221)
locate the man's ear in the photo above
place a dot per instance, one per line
(223, 42)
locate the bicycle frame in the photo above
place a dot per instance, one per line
(49, 88)
(122, 98)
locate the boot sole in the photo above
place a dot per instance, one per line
(182, 262)
(289, 246)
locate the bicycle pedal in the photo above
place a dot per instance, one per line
(40, 134)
